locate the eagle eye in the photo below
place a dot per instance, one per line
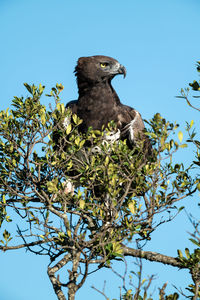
(104, 65)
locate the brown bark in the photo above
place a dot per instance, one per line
(55, 282)
(153, 256)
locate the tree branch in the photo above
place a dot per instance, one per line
(153, 256)
(55, 282)
(5, 248)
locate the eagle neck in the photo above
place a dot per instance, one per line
(95, 90)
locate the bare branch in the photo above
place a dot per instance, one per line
(25, 245)
(101, 292)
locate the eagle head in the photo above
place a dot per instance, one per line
(98, 68)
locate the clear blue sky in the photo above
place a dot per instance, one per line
(158, 43)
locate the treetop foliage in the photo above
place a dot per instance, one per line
(80, 199)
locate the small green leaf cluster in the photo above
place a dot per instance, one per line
(192, 289)
(161, 130)
(7, 238)
(3, 213)
(113, 250)
(174, 296)
(191, 259)
(196, 85)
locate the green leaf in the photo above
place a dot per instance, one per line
(41, 88)
(82, 143)
(180, 136)
(75, 118)
(79, 194)
(131, 206)
(4, 199)
(43, 119)
(52, 186)
(195, 242)
(194, 85)
(6, 235)
(117, 249)
(106, 160)
(198, 186)
(180, 254)
(47, 214)
(8, 219)
(69, 129)
(69, 233)
(183, 146)
(187, 252)
(62, 108)
(181, 208)
(60, 87)
(28, 87)
(82, 204)
(77, 141)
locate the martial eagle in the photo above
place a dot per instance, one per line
(98, 103)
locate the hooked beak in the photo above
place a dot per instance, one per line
(122, 70)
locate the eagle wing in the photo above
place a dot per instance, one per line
(130, 123)
(132, 127)
(98, 103)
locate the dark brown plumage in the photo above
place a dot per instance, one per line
(98, 103)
